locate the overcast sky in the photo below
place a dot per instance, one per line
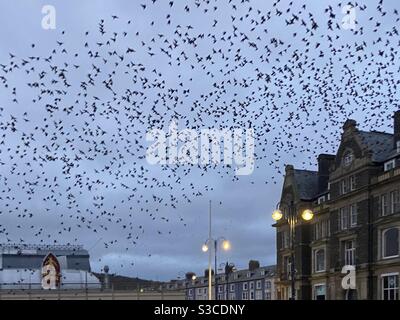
(241, 207)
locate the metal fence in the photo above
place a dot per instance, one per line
(12, 291)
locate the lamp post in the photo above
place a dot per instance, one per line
(292, 219)
(209, 242)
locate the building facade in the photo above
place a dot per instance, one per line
(254, 283)
(21, 266)
(355, 197)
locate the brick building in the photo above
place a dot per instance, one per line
(355, 196)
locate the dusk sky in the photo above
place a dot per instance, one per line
(75, 111)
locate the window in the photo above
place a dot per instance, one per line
(384, 205)
(321, 199)
(344, 219)
(245, 295)
(319, 260)
(349, 253)
(252, 295)
(321, 229)
(353, 215)
(220, 288)
(347, 184)
(319, 292)
(390, 243)
(267, 284)
(268, 296)
(390, 287)
(190, 292)
(259, 295)
(286, 242)
(389, 165)
(245, 286)
(398, 146)
(394, 201)
(251, 285)
(348, 217)
(344, 187)
(287, 265)
(248, 274)
(258, 284)
(348, 158)
(352, 183)
(232, 296)
(232, 285)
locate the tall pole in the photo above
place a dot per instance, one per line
(292, 223)
(215, 269)
(209, 257)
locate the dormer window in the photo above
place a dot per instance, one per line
(348, 158)
(389, 165)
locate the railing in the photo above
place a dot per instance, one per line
(33, 291)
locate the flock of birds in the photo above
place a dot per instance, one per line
(73, 122)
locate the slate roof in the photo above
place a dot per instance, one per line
(307, 183)
(380, 143)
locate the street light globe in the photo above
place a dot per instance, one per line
(194, 277)
(204, 248)
(226, 245)
(277, 215)
(307, 215)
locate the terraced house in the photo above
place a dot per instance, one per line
(355, 197)
(254, 283)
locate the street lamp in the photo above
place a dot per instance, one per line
(225, 245)
(291, 219)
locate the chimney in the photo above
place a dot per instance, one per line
(396, 136)
(349, 127)
(325, 161)
(253, 265)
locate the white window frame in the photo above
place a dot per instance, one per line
(268, 296)
(344, 218)
(245, 286)
(252, 285)
(394, 274)
(383, 244)
(349, 254)
(398, 146)
(232, 287)
(394, 201)
(245, 295)
(316, 250)
(384, 202)
(352, 183)
(315, 291)
(268, 284)
(252, 295)
(389, 165)
(353, 214)
(259, 295)
(258, 284)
